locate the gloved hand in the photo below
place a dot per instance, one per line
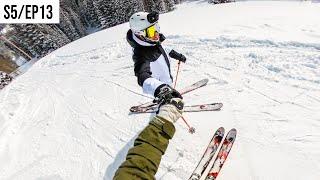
(172, 110)
(175, 55)
(164, 93)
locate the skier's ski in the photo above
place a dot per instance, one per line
(194, 86)
(203, 107)
(208, 154)
(222, 155)
(192, 108)
(183, 91)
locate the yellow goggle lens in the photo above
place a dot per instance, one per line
(151, 31)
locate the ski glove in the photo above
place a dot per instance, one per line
(175, 55)
(171, 111)
(164, 93)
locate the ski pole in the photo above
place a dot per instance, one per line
(191, 129)
(175, 83)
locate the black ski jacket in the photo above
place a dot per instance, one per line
(144, 55)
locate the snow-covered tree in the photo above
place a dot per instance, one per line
(75, 17)
(148, 5)
(128, 7)
(160, 6)
(89, 13)
(18, 38)
(169, 5)
(70, 21)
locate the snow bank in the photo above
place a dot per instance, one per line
(67, 117)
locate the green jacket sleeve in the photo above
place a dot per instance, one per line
(144, 157)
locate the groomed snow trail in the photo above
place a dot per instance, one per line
(68, 118)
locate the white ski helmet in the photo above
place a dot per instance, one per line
(140, 21)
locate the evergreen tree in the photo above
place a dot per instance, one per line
(101, 8)
(17, 36)
(66, 26)
(148, 5)
(90, 13)
(128, 7)
(111, 13)
(75, 17)
(59, 37)
(169, 5)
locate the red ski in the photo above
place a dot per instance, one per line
(222, 155)
(208, 154)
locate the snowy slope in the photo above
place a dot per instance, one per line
(67, 117)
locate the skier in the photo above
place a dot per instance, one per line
(143, 159)
(151, 62)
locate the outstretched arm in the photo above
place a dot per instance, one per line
(143, 159)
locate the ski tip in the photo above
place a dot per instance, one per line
(205, 81)
(220, 105)
(215, 104)
(195, 176)
(232, 133)
(133, 108)
(234, 130)
(221, 129)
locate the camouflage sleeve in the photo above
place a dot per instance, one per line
(143, 159)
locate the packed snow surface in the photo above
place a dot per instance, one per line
(67, 117)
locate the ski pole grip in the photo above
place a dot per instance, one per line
(175, 55)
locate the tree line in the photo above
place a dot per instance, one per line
(77, 19)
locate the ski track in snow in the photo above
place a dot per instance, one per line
(68, 118)
(254, 68)
(223, 61)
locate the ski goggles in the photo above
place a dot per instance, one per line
(150, 32)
